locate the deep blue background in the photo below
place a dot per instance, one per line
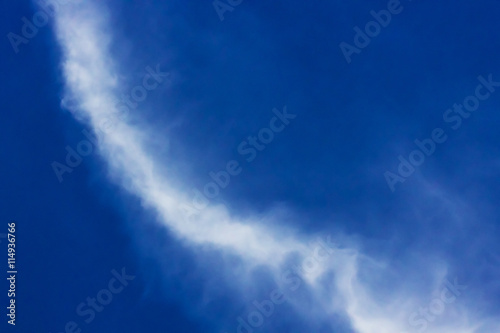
(353, 120)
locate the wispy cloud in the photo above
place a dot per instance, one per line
(347, 283)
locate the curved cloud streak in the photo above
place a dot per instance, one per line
(342, 283)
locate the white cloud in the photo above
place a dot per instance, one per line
(91, 78)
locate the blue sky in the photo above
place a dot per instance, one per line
(227, 166)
